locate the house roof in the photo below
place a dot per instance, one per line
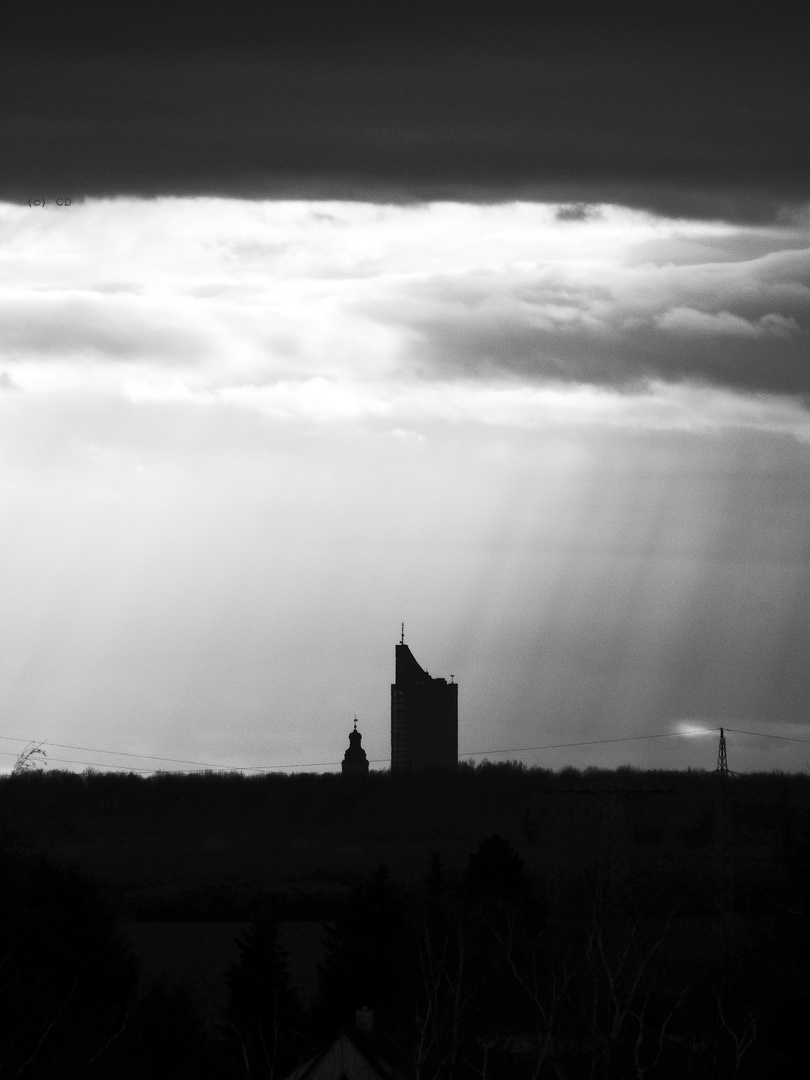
(350, 1056)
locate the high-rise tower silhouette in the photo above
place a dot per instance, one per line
(424, 717)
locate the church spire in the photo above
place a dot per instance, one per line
(355, 762)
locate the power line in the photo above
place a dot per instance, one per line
(142, 757)
(150, 757)
(763, 735)
(310, 764)
(373, 761)
(587, 742)
(73, 761)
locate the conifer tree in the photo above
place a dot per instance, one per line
(366, 961)
(264, 1014)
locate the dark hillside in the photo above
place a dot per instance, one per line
(207, 845)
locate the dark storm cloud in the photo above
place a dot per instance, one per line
(576, 212)
(702, 124)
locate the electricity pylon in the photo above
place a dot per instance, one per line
(722, 760)
(725, 898)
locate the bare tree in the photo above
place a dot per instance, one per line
(446, 997)
(30, 759)
(742, 1031)
(592, 1002)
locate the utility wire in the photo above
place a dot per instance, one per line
(372, 761)
(92, 764)
(313, 764)
(142, 757)
(762, 735)
(587, 742)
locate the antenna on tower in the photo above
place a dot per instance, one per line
(722, 760)
(402, 636)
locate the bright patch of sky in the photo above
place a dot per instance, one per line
(240, 442)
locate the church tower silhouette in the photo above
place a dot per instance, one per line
(355, 762)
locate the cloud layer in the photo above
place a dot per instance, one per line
(369, 309)
(740, 324)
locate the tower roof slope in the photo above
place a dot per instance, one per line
(408, 669)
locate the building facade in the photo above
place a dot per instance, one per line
(424, 717)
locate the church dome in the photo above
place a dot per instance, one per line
(355, 761)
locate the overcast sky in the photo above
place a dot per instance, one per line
(497, 328)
